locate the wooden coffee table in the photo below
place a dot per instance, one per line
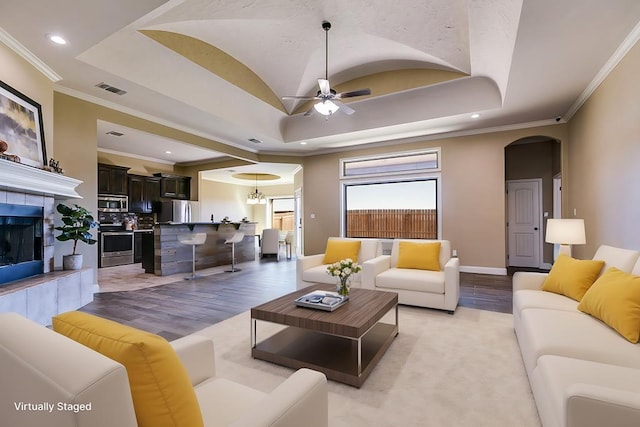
(344, 344)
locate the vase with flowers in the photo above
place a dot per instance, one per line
(343, 270)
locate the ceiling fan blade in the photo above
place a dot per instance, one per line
(351, 94)
(325, 89)
(301, 98)
(344, 107)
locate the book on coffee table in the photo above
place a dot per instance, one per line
(322, 300)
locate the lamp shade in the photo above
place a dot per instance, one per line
(566, 231)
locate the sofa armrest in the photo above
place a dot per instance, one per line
(593, 405)
(304, 263)
(528, 280)
(301, 400)
(197, 354)
(373, 267)
(451, 284)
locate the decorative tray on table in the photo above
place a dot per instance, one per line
(322, 300)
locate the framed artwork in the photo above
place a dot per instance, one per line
(21, 126)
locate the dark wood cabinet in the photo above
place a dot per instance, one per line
(174, 186)
(138, 248)
(112, 179)
(143, 192)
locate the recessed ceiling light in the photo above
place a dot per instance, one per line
(168, 152)
(303, 143)
(475, 116)
(57, 39)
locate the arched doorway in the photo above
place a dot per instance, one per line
(531, 166)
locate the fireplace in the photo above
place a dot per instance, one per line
(21, 242)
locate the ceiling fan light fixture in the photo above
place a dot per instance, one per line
(326, 107)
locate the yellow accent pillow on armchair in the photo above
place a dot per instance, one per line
(160, 387)
(419, 255)
(337, 250)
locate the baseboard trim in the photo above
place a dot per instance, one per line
(496, 271)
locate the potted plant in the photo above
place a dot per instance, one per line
(77, 223)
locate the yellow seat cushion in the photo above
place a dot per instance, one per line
(338, 250)
(160, 387)
(572, 277)
(419, 255)
(615, 299)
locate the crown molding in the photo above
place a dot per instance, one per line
(26, 54)
(613, 61)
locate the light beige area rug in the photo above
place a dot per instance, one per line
(441, 370)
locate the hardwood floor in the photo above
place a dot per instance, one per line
(181, 307)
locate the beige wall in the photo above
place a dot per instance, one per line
(605, 160)
(136, 166)
(473, 193)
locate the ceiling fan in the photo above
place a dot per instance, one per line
(329, 99)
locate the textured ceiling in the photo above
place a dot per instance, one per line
(219, 69)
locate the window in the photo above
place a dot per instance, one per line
(396, 196)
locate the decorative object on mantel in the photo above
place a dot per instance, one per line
(226, 220)
(21, 127)
(343, 270)
(4, 147)
(245, 219)
(77, 223)
(54, 166)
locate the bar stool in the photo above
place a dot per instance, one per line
(236, 238)
(192, 239)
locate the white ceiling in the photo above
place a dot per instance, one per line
(527, 63)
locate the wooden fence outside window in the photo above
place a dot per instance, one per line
(393, 223)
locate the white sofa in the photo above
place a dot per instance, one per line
(310, 269)
(582, 373)
(38, 365)
(423, 288)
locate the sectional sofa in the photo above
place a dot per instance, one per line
(582, 372)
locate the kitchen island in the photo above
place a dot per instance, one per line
(163, 254)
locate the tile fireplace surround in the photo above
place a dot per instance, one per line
(42, 296)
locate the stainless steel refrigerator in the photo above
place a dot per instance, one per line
(179, 211)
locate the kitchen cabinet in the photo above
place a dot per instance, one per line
(143, 192)
(174, 186)
(112, 179)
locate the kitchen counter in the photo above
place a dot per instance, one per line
(163, 254)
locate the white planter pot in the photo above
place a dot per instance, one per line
(72, 262)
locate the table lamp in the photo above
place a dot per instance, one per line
(565, 232)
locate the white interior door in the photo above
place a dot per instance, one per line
(523, 228)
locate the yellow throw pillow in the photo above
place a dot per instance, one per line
(419, 255)
(572, 277)
(615, 299)
(160, 387)
(338, 250)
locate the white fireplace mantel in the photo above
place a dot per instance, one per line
(22, 178)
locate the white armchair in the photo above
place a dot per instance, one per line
(40, 365)
(311, 269)
(424, 288)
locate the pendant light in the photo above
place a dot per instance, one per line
(257, 197)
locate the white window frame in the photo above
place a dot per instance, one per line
(414, 175)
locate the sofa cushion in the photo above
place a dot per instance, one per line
(224, 401)
(338, 250)
(558, 381)
(419, 255)
(572, 277)
(318, 274)
(622, 259)
(160, 387)
(572, 334)
(411, 280)
(615, 299)
(527, 298)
